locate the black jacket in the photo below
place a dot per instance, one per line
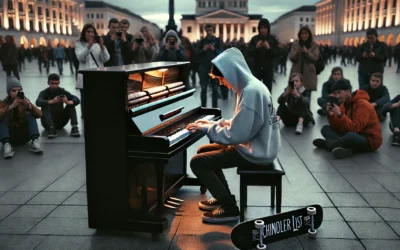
(205, 57)
(126, 50)
(380, 95)
(372, 65)
(46, 95)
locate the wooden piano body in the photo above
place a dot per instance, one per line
(131, 166)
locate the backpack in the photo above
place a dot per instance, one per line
(319, 65)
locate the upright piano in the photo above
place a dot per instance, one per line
(136, 141)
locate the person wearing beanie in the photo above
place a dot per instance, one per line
(55, 115)
(18, 123)
(263, 48)
(372, 56)
(378, 94)
(353, 126)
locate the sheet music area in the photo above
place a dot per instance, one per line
(136, 141)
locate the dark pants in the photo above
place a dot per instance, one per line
(291, 117)
(76, 66)
(12, 68)
(363, 79)
(265, 75)
(21, 134)
(60, 65)
(58, 118)
(351, 140)
(307, 95)
(204, 82)
(322, 102)
(207, 165)
(394, 118)
(45, 63)
(193, 76)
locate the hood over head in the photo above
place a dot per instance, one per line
(171, 33)
(234, 68)
(139, 35)
(264, 22)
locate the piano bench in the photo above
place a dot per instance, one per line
(270, 175)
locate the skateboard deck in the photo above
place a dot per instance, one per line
(277, 227)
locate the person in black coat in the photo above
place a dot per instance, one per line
(378, 94)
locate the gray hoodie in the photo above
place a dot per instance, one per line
(254, 129)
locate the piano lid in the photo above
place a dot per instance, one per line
(138, 67)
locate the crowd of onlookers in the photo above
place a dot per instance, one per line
(352, 124)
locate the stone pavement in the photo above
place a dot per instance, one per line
(43, 198)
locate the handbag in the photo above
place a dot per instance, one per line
(319, 65)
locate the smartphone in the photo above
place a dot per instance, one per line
(119, 33)
(61, 96)
(172, 43)
(96, 39)
(21, 95)
(139, 40)
(334, 100)
(291, 84)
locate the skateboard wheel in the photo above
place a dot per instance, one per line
(311, 211)
(263, 246)
(259, 224)
(312, 234)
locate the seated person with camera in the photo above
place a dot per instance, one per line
(251, 137)
(293, 105)
(171, 49)
(393, 107)
(353, 127)
(55, 115)
(18, 123)
(378, 94)
(336, 74)
(141, 51)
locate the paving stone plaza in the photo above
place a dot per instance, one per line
(43, 202)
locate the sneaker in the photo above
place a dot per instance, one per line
(341, 153)
(8, 151)
(209, 205)
(52, 133)
(75, 131)
(35, 147)
(320, 143)
(396, 139)
(299, 129)
(222, 214)
(321, 112)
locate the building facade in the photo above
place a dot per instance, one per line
(230, 19)
(287, 26)
(344, 22)
(99, 13)
(41, 22)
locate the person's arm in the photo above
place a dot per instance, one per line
(294, 53)
(181, 54)
(42, 101)
(251, 48)
(218, 46)
(273, 50)
(200, 50)
(325, 90)
(104, 55)
(359, 119)
(384, 98)
(35, 111)
(81, 52)
(149, 53)
(282, 98)
(3, 110)
(162, 54)
(389, 105)
(72, 98)
(359, 53)
(382, 56)
(235, 134)
(312, 54)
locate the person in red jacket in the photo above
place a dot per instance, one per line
(353, 127)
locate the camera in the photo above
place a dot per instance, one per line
(96, 39)
(21, 95)
(139, 40)
(61, 96)
(119, 33)
(172, 43)
(291, 84)
(334, 100)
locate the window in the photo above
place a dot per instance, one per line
(88, 15)
(254, 29)
(40, 10)
(97, 26)
(10, 7)
(92, 15)
(21, 24)
(59, 5)
(20, 6)
(215, 4)
(102, 25)
(301, 19)
(47, 12)
(221, 4)
(48, 27)
(55, 27)
(40, 27)
(66, 18)
(244, 4)
(209, 3)
(11, 22)
(97, 15)
(199, 4)
(307, 19)
(235, 4)
(101, 15)
(31, 24)
(189, 29)
(301, 25)
(312, 19)
(60, 15)
(54, 14)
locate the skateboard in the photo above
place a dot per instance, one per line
(259, 232)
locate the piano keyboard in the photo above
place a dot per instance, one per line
(178, 135)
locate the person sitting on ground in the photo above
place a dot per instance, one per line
(251, 137)
(55, 114)
(354, 126)
(18, 123)
(293, 105)
(393, 107)
(378, 94)
(326, 95)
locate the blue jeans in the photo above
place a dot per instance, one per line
(350, 140)
(60, 65)
(363, 79)
(19, 135)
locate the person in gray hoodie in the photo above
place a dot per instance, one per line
(171, 49)
(251, 137)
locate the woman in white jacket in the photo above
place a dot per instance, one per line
(90, 54)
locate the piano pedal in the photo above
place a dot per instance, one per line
(173, 203)
(172, 207)
(176, 199)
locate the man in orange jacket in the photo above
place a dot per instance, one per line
(353, 127)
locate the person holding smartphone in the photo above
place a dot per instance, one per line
(353, 125)
(293, 105)
(91, 53)
(171, 49)
(58, 107)
(18, 124)
(141, 52)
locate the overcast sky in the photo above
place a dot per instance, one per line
(156, 11)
